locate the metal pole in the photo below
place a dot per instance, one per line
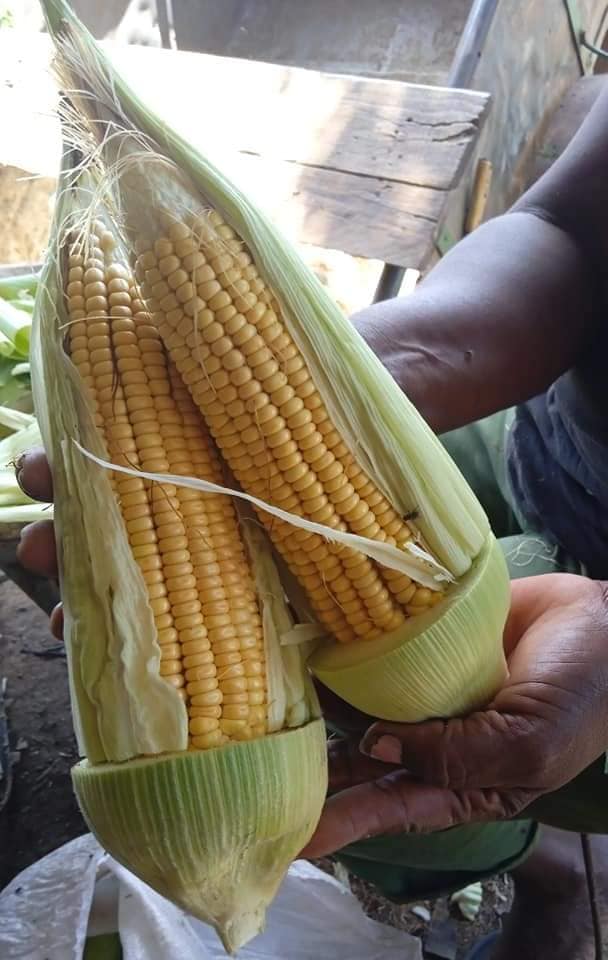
(164, 22)
(593, 898)
(460, 76)
(389, 283)
(471, 43)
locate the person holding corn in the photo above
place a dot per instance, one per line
(502, 350)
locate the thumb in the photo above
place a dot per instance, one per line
(477, 751)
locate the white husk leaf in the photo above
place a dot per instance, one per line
(15, 420)
(412, 560)
(292, 700)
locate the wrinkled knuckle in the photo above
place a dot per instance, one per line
(388, 815)
(601, 586)
(514, 802)
(533, 756)
(451, 766)
(454, 772)
(392, 808)
(530, 745)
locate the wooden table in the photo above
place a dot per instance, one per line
(348, 163)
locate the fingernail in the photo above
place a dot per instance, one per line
(387, 748)
(19, 469)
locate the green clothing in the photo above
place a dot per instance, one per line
(106, 946)
(417, 866)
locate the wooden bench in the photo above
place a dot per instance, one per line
(358, 165)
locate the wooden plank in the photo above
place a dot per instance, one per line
(359, 165)
(362, 216)
(379, 128)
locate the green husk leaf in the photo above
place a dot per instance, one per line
(13, 288)
(19, 514)
(220, 826)
(15, 392)
(15, 325)
(15, 419)
(24, 302)
(20, 440)
(7, 347)
(15, 506)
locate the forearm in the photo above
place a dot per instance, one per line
(514, 304)
(507, 311)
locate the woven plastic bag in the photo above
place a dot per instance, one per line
(78, 891)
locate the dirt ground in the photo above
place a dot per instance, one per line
(42, 813)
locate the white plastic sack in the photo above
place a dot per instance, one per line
(47, 912)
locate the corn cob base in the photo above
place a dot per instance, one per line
(220, 825)
(431, 666)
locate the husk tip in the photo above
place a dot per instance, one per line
(241, 928)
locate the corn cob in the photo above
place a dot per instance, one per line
(222, 351)
(187, 544)
(224, 331)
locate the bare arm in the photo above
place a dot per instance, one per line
(513, 305)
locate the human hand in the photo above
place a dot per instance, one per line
(547, 724)
(37, 551)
